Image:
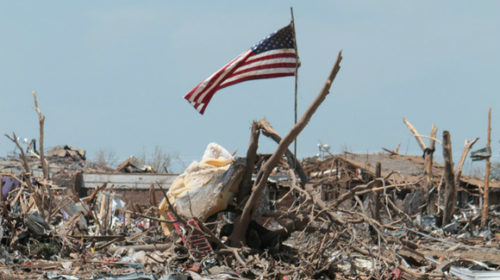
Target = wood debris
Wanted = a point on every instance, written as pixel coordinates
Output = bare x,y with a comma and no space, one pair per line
336,216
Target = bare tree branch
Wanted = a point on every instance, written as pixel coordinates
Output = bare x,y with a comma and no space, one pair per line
26,167
415,133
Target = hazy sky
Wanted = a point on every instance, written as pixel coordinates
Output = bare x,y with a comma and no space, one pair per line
112,74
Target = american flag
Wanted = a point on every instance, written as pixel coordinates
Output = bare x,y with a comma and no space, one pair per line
272,57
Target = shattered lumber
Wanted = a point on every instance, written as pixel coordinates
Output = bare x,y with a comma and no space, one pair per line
326,238
241,226
349,221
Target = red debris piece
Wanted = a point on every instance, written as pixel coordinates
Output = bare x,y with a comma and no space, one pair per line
195,242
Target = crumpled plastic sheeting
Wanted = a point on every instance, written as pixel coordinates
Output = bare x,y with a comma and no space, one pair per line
205,187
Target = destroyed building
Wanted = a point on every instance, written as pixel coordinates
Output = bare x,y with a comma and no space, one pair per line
343,171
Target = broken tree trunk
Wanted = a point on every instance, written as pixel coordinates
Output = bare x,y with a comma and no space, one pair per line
450,195
41,120
428,154
241,225
428,159
245,185
428,151
374,203
484,215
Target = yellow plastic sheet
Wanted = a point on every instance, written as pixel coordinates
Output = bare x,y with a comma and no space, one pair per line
201,189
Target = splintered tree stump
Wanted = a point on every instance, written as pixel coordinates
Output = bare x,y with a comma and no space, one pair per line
450,195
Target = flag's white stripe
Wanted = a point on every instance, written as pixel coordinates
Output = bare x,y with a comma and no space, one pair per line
201,87
199,107
284,70
273,52
267,62
201,93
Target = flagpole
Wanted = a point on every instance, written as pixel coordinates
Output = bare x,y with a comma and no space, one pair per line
296,79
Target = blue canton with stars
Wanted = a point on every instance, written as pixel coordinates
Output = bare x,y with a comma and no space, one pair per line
281,39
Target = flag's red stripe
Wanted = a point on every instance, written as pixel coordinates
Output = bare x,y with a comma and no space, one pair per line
266,66
278,55
264,76
205,104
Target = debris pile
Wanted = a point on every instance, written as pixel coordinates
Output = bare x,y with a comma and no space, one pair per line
265,216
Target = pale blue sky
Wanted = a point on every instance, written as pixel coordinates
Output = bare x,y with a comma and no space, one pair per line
112,74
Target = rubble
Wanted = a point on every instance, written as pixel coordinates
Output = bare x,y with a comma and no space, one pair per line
337,216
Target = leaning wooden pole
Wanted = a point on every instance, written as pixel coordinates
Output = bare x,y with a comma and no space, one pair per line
241,225
484,216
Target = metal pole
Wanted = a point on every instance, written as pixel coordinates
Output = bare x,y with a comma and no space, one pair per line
296,80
